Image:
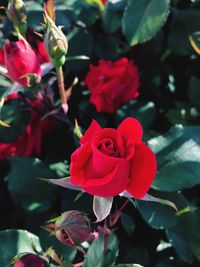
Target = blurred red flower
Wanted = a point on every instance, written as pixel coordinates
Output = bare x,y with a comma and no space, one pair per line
30,142
30,260
20,59
112,84
42,55
1,56
37,44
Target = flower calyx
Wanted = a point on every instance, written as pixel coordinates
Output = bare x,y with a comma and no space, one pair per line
55,41
16,12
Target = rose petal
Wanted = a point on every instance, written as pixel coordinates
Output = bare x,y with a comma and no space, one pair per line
113,135
130,128
101,101
20,60
143,171
1,56
112,84
112,184
28,145
100,164
78,159
93,128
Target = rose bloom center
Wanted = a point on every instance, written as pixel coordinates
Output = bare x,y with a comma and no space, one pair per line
108,147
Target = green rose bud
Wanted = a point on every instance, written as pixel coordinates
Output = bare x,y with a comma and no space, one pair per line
28,260
16,12
72,228
56,45
55,41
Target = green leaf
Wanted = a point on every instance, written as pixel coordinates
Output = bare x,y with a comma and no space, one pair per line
145,112
161,216
85,12
184,23
128,265
194,236
136,254
156,215
64,182
143,19
102,207
195,41
3,81
4,124
97,3
185,237
16,241
60,168
66,253
148,197
14,88
112,16
178,156
75,38
16,114
179,241
127,223
194,91
25,187
182,113
112,45
171,263
96,256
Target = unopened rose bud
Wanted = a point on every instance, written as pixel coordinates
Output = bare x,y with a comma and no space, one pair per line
55,41
21,62
56,45
16,12
72,228
29,260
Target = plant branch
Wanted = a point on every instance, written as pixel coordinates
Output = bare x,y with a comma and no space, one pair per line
61,85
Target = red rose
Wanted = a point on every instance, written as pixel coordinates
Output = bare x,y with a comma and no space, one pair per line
112,84
30,142
1,56
20,59
30,260
38,45
110,161
42,55
103,2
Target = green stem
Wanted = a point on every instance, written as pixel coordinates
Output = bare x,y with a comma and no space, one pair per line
61,85
20,35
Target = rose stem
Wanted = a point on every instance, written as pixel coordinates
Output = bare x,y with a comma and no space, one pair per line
117,214
61,85
81,249
19,34
112,222
124,205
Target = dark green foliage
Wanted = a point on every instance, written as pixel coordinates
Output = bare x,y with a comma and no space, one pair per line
155,35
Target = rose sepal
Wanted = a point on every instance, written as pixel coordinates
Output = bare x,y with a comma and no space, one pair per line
102,207
151,198
65,182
